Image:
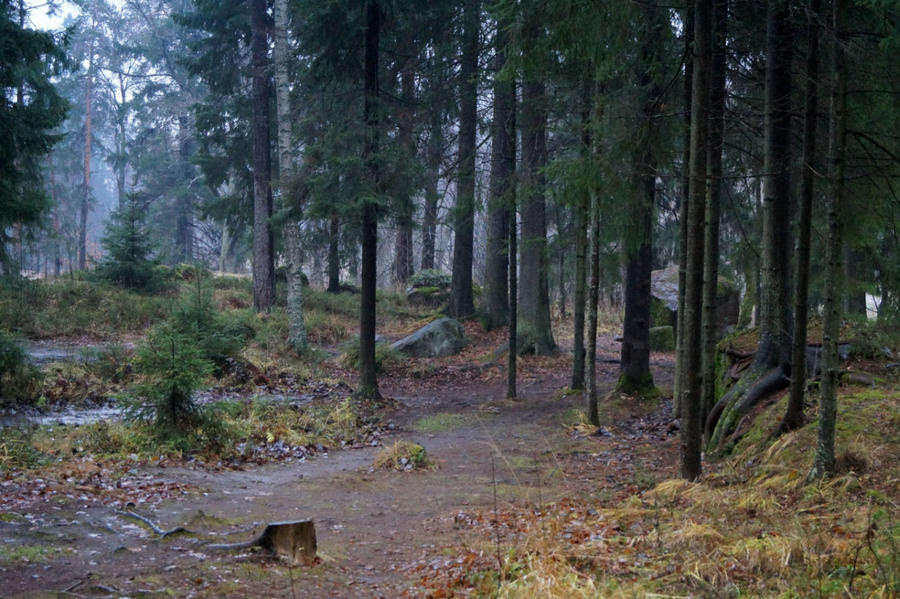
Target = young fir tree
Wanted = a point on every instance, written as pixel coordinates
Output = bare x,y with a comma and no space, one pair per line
129,261
172,367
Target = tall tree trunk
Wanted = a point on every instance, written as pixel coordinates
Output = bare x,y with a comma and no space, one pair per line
121,164
771,363
297,337
581,226
403,242
793,417
691,429
593,306
823,464
635,376
562,245
184,227
535,333
461,298
503,170
334,258
433,176
713,194
512,244
368,377
263,259
775,307
685,199
86,174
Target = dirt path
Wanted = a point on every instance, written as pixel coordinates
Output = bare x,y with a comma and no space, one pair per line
371,525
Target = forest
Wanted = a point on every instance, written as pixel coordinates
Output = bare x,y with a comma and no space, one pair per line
485,298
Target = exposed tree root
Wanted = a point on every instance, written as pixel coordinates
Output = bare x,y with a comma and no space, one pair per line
153,526
757,383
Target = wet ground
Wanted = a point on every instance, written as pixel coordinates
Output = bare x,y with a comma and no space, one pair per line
372,525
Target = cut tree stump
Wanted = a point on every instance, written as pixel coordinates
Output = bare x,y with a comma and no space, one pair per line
294,541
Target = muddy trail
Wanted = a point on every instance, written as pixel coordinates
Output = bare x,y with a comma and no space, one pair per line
377,530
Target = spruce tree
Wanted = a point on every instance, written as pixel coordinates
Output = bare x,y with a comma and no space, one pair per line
129,261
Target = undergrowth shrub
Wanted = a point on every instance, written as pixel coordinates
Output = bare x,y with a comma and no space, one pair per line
173,366
386,358
69,307
17,450
430,277
403,456
344,304
18,378
195,317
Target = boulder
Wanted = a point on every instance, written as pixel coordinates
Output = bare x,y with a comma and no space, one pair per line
664,301
662,338
442,337
428,297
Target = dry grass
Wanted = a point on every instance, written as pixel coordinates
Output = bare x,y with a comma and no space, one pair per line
755,529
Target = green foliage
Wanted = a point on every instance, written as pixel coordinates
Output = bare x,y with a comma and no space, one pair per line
385,357
172,367
430,278
196,318
17,376
129,262
28,61
68,307
17,449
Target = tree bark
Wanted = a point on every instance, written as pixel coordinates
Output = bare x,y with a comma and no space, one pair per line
824,462
593,306
793,417
403,241
368,378
263,260
581,238
297,337
635,376
184,229
429,216
691,432
685,199
334,258
773,354
86,174
535,333
462,302
512,354
495,303
713,194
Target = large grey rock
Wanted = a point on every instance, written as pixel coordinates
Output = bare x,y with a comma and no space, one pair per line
442,337
664,301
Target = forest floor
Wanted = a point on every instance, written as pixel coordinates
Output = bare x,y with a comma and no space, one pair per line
521,498
378,530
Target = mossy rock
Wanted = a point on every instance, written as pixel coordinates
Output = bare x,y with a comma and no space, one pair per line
662,338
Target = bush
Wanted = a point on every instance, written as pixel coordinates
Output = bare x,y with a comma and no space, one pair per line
430,278
173,367
196,318
18,378
385,357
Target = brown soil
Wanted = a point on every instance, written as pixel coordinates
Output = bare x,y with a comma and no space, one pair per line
372,525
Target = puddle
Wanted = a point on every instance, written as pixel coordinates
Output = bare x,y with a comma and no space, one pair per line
70,417
44,353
